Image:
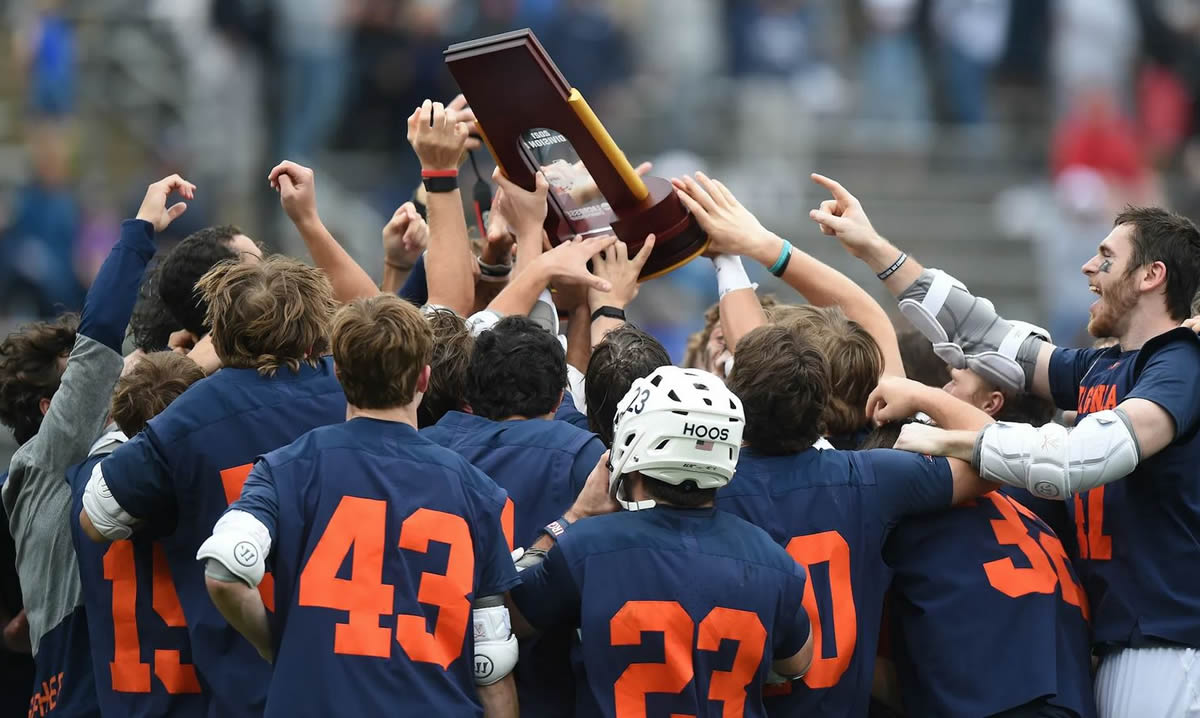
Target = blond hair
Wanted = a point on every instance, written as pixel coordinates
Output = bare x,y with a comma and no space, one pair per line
380,346
270,314
696,354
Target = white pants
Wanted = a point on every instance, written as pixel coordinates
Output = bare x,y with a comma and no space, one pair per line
1149,683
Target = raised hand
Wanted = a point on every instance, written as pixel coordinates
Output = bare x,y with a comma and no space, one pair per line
405,236
439,135
154,205
615,265
465,114
843,217
731,228
297,188
567,263
524,211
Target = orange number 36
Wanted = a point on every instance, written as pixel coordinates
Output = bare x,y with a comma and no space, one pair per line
676,671
1046,557
360,525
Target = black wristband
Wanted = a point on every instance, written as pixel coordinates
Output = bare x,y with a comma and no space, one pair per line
440,184
895,266
610,312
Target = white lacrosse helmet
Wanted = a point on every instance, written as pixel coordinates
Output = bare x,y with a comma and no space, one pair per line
676,425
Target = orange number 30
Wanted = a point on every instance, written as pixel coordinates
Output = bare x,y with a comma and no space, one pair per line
676,671
360,525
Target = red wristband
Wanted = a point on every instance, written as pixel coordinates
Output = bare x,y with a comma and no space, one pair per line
438,173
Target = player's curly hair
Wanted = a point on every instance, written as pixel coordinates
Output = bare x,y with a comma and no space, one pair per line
452,347
150,386
783,382
179,271
381,344
695,356
268,315
29,372
517,369
152,323
623,355
856,372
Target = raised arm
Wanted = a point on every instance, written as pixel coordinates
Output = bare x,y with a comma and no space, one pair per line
735,230
565,263
621,271
297,189
525,213
78,409
941,307
439,135
405,237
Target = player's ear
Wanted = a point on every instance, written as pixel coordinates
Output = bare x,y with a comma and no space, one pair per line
994,403
423,379
44,405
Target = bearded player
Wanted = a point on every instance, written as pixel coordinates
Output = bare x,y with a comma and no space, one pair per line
1127,470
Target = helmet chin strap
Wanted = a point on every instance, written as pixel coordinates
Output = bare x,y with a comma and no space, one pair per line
616,485
616,491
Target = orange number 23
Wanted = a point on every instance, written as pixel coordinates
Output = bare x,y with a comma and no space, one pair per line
360,525
676,671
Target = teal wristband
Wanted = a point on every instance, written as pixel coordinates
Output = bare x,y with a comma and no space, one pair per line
785,254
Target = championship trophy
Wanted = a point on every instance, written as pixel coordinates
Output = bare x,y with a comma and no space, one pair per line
531,119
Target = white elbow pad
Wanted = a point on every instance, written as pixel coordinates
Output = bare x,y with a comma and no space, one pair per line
495,645
1055,462
113,522
240,543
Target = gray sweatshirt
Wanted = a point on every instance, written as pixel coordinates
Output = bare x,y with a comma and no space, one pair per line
36,495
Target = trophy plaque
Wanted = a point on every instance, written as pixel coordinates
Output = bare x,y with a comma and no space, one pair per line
531,119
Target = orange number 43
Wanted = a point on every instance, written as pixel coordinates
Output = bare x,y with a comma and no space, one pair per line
360,525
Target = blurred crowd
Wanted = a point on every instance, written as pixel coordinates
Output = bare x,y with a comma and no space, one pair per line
1112,82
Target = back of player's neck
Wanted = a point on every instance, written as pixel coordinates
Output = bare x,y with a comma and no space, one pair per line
522,417
399,415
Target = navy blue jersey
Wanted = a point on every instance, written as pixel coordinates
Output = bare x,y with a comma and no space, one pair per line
567,412
187,466
986,613
1138,537
380,542
136,633
543,466
63,681
832,511
681,612
1053,513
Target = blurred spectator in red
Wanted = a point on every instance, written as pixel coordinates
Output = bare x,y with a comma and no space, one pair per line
1096,135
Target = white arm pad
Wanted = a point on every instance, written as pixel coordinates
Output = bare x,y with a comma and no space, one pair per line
495,645
1055,462
113,522
240,543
